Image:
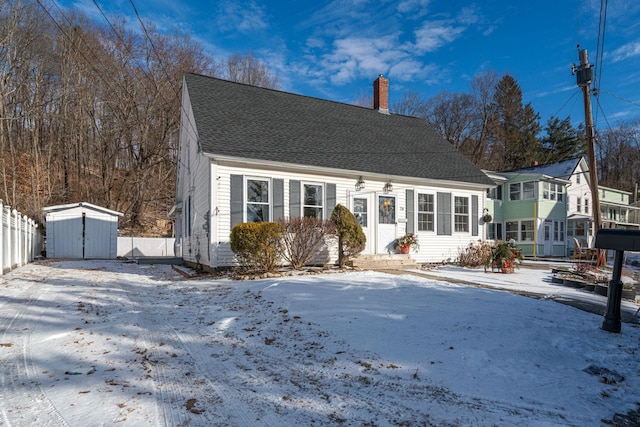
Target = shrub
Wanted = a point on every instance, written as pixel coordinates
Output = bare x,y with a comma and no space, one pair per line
258,245
475,255
351,238
505,256
303,237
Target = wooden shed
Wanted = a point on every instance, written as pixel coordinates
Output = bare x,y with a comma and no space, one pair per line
81,231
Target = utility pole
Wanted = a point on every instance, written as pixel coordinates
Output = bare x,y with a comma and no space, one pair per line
584,76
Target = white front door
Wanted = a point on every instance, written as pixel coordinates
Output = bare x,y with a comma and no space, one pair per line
386,223
548,233
361,208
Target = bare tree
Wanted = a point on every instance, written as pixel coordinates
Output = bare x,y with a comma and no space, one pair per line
250,70
412,104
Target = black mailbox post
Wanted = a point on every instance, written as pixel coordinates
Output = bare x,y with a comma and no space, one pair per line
619,240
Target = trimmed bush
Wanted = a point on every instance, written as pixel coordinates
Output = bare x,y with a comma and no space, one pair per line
258,245
303,238
351,238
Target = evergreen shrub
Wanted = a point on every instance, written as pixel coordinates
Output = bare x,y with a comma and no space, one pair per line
258,245
351,238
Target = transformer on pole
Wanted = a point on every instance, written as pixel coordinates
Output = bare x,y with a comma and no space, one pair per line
584,75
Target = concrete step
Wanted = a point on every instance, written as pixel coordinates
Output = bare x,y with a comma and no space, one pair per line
384,261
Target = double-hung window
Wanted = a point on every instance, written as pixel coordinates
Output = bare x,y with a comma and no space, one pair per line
514,191
312,200
257,200
552,191
425,212
461,214
521,231
526,231
528,190
522,190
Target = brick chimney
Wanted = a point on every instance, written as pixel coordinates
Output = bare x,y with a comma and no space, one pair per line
381,94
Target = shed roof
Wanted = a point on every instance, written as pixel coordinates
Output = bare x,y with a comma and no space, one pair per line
81,204
248,122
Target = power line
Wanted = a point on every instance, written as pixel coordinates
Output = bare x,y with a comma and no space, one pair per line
602,26
622,99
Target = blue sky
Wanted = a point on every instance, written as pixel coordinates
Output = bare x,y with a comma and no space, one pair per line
335,49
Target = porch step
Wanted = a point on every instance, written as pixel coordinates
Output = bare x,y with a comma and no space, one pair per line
384,261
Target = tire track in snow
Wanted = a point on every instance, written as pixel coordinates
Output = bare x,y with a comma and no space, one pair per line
180,370
22,399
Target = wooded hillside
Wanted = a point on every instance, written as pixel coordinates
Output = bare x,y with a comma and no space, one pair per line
90,112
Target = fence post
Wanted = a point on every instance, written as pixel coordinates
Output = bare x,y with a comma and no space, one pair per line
1,238
14,236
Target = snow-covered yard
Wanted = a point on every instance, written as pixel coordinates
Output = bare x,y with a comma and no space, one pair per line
111,343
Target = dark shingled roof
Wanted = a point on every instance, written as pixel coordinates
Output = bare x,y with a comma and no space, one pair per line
249,122
562,169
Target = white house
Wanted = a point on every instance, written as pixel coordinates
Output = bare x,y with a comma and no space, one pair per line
81,231
256,154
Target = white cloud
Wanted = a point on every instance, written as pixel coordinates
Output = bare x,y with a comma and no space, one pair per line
627,51
435,34
241,17
413,6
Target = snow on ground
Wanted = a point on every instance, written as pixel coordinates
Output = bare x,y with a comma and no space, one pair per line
92,343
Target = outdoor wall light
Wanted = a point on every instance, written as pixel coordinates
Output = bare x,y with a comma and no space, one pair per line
359,184
388,188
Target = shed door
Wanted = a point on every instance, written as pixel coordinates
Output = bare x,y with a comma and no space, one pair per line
67,236
97,237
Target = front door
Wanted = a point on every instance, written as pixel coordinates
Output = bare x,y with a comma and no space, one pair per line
361,206
548,232
386,223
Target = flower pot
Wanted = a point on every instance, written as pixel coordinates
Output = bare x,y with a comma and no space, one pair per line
404,249
573,283
601,289
629,294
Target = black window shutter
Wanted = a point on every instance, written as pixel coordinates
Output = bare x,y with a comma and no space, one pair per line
444,214
294,198
499,232
278,199
330,200
237,199
411,220
474,215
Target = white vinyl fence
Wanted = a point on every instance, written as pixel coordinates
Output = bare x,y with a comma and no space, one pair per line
146,247
20,239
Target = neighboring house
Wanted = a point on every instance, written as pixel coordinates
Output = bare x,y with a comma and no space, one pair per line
255,154
551,204
529,207
617,209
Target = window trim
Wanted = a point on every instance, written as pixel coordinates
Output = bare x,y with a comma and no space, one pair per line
246,201
461,218
519,231
303,205
431,213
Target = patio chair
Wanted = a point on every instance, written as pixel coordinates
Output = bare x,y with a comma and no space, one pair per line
578,251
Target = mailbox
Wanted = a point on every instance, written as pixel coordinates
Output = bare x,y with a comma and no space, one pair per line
618,239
